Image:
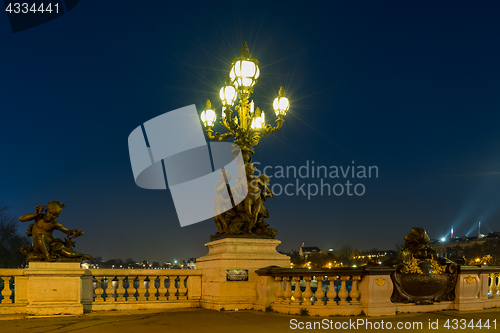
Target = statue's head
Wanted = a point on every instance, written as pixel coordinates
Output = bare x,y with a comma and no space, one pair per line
54,209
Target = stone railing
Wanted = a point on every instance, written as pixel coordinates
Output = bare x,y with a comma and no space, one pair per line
62,288
365,290
478,288
13,291
325,292
494,283
118,289
71,290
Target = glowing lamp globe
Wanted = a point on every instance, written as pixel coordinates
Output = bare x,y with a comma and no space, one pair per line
227,94
281,104
257,123
244,74
208,115
245,70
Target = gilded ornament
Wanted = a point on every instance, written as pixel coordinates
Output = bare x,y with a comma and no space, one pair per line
469,279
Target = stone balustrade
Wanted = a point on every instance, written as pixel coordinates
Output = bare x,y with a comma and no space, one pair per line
364,290
118,289
329,291
13,291
111,289
336,291
478,288
494,284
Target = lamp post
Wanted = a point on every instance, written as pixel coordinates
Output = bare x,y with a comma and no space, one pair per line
247,127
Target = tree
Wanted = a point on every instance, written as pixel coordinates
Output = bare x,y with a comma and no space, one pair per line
398,246
113,263
10,241
346,254
129,262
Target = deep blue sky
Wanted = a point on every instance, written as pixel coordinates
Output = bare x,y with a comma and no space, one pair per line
410,87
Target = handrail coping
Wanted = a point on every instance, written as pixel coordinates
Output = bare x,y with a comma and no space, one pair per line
12,271
144,272
365,270
478,269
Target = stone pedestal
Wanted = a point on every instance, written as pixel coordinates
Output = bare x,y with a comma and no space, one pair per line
236,254
58,288
376,289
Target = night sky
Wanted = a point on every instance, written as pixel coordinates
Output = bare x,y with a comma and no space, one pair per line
409,87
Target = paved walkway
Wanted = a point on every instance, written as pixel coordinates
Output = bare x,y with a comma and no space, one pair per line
208,321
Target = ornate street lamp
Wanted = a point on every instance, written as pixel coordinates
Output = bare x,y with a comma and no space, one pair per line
247,127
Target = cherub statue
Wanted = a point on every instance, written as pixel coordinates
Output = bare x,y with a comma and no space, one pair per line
45,247
262,191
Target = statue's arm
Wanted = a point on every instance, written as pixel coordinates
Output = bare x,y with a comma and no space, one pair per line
62,228
29,217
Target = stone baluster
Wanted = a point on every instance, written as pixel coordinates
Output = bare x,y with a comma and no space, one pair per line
141,290
149,285
6,292
343,293
307,294
120,289
110,290
279,293
131,288
98,289
182,287
493,284
297,293
288,289
498,284
171,288
152,290
320,294
331,294
162,290
354,290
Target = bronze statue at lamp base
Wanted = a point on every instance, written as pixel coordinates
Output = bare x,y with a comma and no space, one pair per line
45,247
245,219
421,277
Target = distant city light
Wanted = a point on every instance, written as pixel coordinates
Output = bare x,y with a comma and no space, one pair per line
443,239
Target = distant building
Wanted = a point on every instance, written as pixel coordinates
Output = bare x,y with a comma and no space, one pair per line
441,246
306,251
96,260
377,257
191,263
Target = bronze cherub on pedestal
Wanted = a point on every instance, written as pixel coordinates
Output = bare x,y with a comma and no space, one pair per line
45,247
